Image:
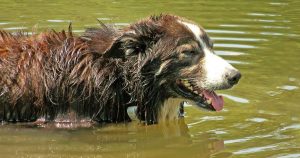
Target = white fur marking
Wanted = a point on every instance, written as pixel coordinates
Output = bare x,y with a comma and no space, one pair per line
216,68
194,28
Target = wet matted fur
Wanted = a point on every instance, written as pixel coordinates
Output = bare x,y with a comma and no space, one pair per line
102,72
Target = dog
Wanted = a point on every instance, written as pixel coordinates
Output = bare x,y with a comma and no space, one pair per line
99,74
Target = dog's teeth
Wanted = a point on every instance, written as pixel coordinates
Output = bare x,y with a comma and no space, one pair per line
186,82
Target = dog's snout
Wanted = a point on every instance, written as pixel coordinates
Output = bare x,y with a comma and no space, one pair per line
233,77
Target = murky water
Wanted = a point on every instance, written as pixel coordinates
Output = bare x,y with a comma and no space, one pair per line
261,116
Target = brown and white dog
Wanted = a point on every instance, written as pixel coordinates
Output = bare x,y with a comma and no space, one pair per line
101,73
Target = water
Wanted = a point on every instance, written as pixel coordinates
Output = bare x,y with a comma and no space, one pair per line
261,116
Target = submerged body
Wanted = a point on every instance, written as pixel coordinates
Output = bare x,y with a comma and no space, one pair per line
99,74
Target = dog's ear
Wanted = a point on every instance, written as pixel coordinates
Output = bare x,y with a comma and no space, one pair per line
114,50
125,45
133,40
128,44
137,39
104,40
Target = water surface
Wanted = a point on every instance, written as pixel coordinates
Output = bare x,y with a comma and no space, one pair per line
261,116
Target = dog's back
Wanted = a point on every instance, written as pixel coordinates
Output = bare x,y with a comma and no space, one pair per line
25,72
51,73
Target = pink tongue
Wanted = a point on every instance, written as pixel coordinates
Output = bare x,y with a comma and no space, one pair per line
217,101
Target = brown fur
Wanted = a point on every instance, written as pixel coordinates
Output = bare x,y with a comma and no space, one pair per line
43,75
98,74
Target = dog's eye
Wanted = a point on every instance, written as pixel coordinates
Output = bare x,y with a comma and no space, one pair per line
189,52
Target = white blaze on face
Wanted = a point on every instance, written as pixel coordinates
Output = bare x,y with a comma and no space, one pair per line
215,67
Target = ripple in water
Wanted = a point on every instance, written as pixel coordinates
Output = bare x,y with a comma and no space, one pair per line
236,99
262,14
272,33
241,140
288,87
59,21
293,127
15,28
255,149
237,62
234,45
104,19
229,53
225,31
4,23
257,120
238,39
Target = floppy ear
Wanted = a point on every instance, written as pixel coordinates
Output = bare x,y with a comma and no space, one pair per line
133,40
137,39
125,45
114,50
128,44
110,43
104,40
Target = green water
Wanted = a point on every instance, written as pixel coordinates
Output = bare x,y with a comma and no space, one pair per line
261,116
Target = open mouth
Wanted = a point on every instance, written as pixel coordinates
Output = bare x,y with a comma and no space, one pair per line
205,99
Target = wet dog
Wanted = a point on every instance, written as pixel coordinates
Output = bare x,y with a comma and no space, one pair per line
102,72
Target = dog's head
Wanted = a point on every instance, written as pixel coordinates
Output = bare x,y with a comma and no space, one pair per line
180,58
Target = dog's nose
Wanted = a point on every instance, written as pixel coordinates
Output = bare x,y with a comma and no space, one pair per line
233,77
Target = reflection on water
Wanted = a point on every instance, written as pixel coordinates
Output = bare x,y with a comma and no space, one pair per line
261,115
131,140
